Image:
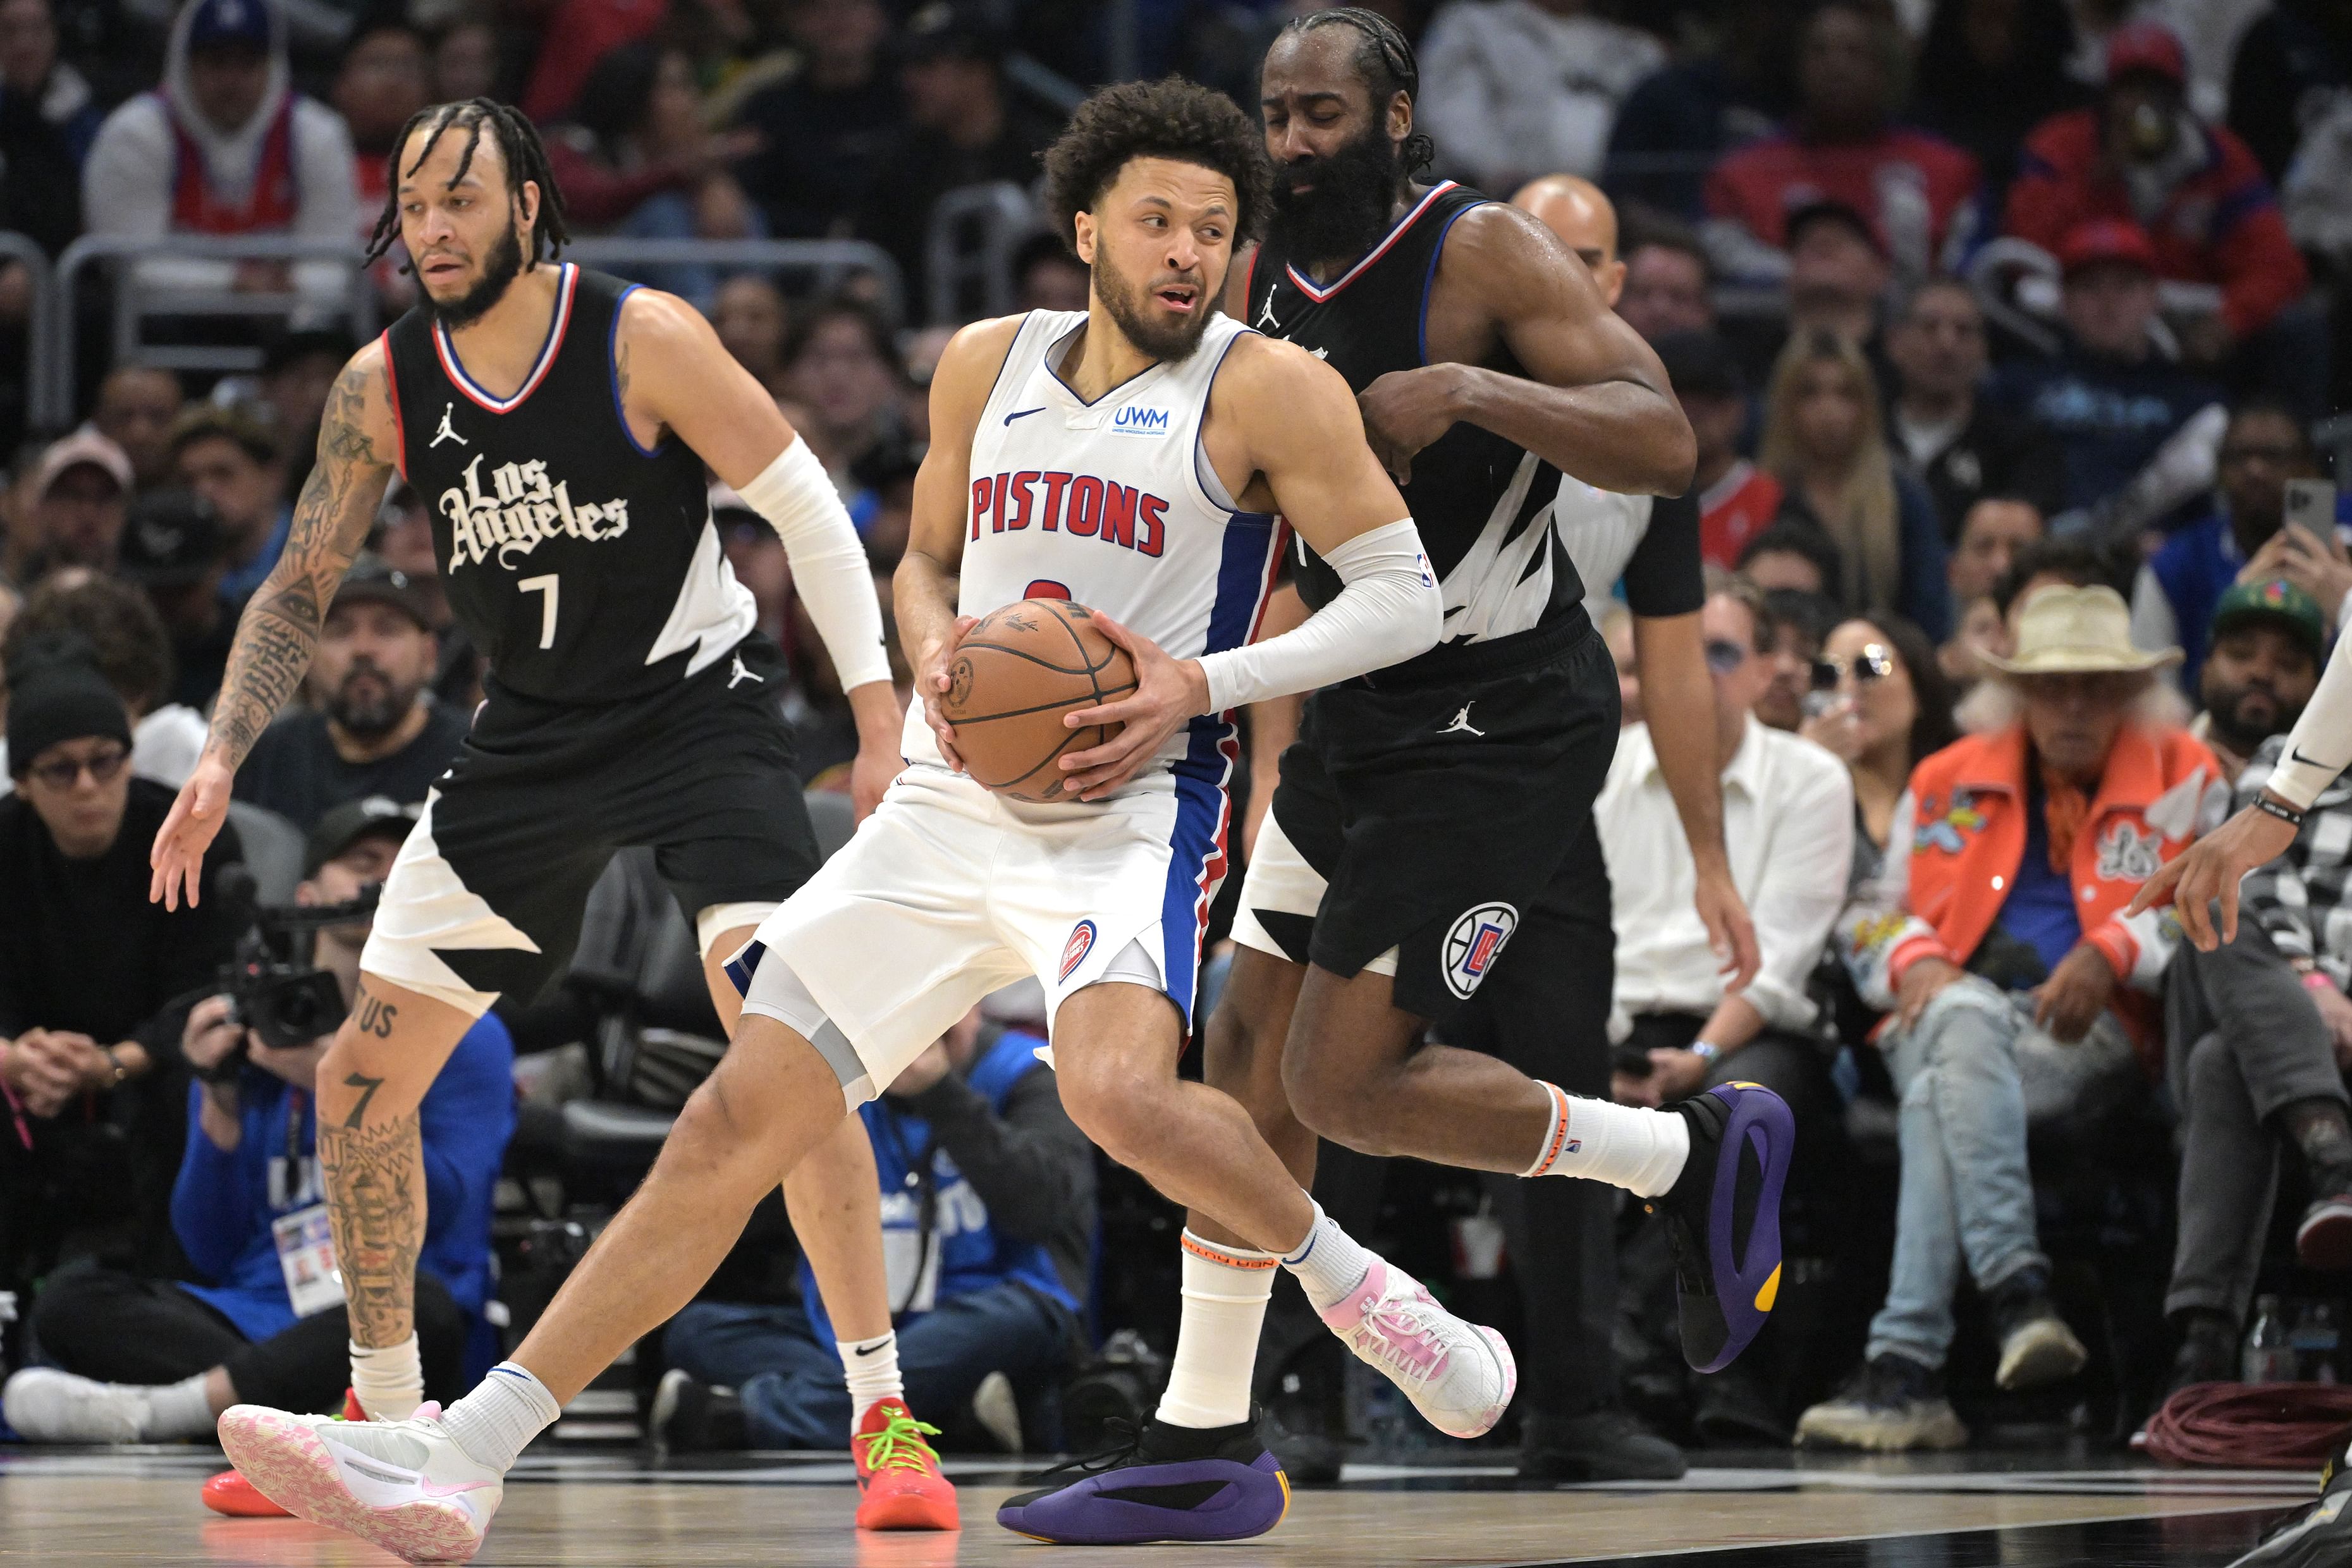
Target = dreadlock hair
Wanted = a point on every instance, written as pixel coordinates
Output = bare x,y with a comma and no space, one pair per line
1384,58
518,144
1171,118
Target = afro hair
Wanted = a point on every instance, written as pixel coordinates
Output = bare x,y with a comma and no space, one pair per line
1171,118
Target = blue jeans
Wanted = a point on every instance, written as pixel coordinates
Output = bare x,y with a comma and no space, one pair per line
791,1380
1965,1190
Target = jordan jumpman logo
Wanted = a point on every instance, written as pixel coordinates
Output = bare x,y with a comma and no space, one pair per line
1265,316
742,675
1461,724
448,432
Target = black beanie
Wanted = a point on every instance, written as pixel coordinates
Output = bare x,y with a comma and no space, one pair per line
56,693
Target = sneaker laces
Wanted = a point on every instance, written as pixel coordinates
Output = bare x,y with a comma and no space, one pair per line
1126,1437
899,1445
1408,1344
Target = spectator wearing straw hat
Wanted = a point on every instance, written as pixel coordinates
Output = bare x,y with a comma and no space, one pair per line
1996,934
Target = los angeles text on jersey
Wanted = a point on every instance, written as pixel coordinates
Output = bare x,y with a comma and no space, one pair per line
1078,504
522,511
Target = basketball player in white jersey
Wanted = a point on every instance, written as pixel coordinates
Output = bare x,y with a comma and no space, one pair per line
1132,457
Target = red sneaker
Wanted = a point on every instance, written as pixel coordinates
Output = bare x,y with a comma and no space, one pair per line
232,1494
899,1482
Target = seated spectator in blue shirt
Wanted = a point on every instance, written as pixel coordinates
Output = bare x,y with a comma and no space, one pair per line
2108,396
988,1223
138,1360
2180,588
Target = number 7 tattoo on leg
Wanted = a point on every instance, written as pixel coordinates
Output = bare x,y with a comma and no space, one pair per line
367,1087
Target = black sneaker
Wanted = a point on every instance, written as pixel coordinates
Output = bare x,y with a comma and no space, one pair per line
2320,1536
2208,1353
692,1418
1892,1404
2036,1345
1162,1483
1606,1445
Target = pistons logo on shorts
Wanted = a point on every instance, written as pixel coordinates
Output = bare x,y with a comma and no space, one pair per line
1074,950
1473,945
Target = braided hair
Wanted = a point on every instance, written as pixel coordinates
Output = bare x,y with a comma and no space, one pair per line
518,144
1384,58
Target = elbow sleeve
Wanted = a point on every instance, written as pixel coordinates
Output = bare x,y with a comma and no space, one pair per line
829,567
1388,609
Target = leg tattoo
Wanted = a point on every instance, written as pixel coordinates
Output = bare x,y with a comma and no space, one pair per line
375,1192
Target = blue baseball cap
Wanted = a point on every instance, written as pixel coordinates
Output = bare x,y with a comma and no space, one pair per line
229,24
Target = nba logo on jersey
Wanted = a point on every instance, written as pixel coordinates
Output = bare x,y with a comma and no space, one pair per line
1130,420
1074,950
1475,943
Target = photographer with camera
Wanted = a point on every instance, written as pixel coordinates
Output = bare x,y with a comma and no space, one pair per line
93,978
141,1360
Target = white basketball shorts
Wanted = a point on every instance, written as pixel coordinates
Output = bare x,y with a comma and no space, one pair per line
948,892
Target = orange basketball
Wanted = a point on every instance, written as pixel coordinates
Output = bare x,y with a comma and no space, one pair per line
1011,681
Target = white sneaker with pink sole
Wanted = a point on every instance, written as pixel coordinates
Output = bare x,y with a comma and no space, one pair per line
404,1486
1459,1375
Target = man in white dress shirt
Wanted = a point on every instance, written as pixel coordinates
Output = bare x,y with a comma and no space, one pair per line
1788,822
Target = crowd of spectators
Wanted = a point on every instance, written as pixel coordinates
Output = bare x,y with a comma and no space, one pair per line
2007,332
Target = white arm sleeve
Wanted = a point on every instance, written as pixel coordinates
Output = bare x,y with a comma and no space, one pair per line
2320,745
829,566
1388,609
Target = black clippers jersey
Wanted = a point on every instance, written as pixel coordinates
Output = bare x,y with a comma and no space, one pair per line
1482,505
585,566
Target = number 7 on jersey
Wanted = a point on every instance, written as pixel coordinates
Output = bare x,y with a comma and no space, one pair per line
548,583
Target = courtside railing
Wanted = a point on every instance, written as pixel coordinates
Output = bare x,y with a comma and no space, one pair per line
41,320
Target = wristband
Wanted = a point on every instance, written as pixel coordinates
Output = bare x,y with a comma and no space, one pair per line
2286,814
1706,1050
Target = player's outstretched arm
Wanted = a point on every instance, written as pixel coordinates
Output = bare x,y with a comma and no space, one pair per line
925,587
359,441
1594,401
673,371
1287,421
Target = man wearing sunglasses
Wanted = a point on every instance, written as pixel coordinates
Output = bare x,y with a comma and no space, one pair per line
88,1066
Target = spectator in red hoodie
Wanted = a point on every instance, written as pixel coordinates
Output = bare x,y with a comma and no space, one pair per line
2141,155
1841,146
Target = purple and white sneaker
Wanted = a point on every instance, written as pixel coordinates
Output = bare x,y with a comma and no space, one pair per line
1459,1375
1169,1483
1723,1218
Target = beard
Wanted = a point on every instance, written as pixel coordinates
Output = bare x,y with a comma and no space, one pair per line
1128,307
2243,731
1349,208
369,703
500,267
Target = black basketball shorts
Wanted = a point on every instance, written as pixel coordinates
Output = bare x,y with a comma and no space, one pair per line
486,896
1422,813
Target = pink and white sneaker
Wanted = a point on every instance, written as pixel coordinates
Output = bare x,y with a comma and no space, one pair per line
1459,1375
404,1486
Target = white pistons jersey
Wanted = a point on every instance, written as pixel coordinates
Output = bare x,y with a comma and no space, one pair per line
1113,504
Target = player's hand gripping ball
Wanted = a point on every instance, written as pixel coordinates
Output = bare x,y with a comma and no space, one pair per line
1011,681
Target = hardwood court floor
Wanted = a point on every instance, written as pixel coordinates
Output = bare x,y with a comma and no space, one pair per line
69,1508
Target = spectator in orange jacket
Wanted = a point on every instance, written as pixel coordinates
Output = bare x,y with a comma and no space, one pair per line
1996,932
2140,154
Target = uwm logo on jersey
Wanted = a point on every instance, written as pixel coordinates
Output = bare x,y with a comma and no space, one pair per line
522,511
1077,504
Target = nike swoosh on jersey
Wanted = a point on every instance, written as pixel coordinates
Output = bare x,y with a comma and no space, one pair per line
1024,414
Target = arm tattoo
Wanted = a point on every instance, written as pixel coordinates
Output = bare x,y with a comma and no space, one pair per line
281,623
375,1194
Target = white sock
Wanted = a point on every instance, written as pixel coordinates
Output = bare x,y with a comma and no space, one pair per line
390,1381
1330,1263
1629,1146
176,1410
871,1369
1225,1293
499,1418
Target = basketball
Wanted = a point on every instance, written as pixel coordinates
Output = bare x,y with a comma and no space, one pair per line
1013,677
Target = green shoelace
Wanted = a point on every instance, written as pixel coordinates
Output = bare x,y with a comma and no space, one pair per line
899,1445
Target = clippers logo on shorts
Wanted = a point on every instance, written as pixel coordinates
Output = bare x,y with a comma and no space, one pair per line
1132,421
1074,950
522,511
1473,945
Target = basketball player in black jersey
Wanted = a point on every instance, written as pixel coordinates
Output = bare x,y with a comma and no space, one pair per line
558,422
1425,808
